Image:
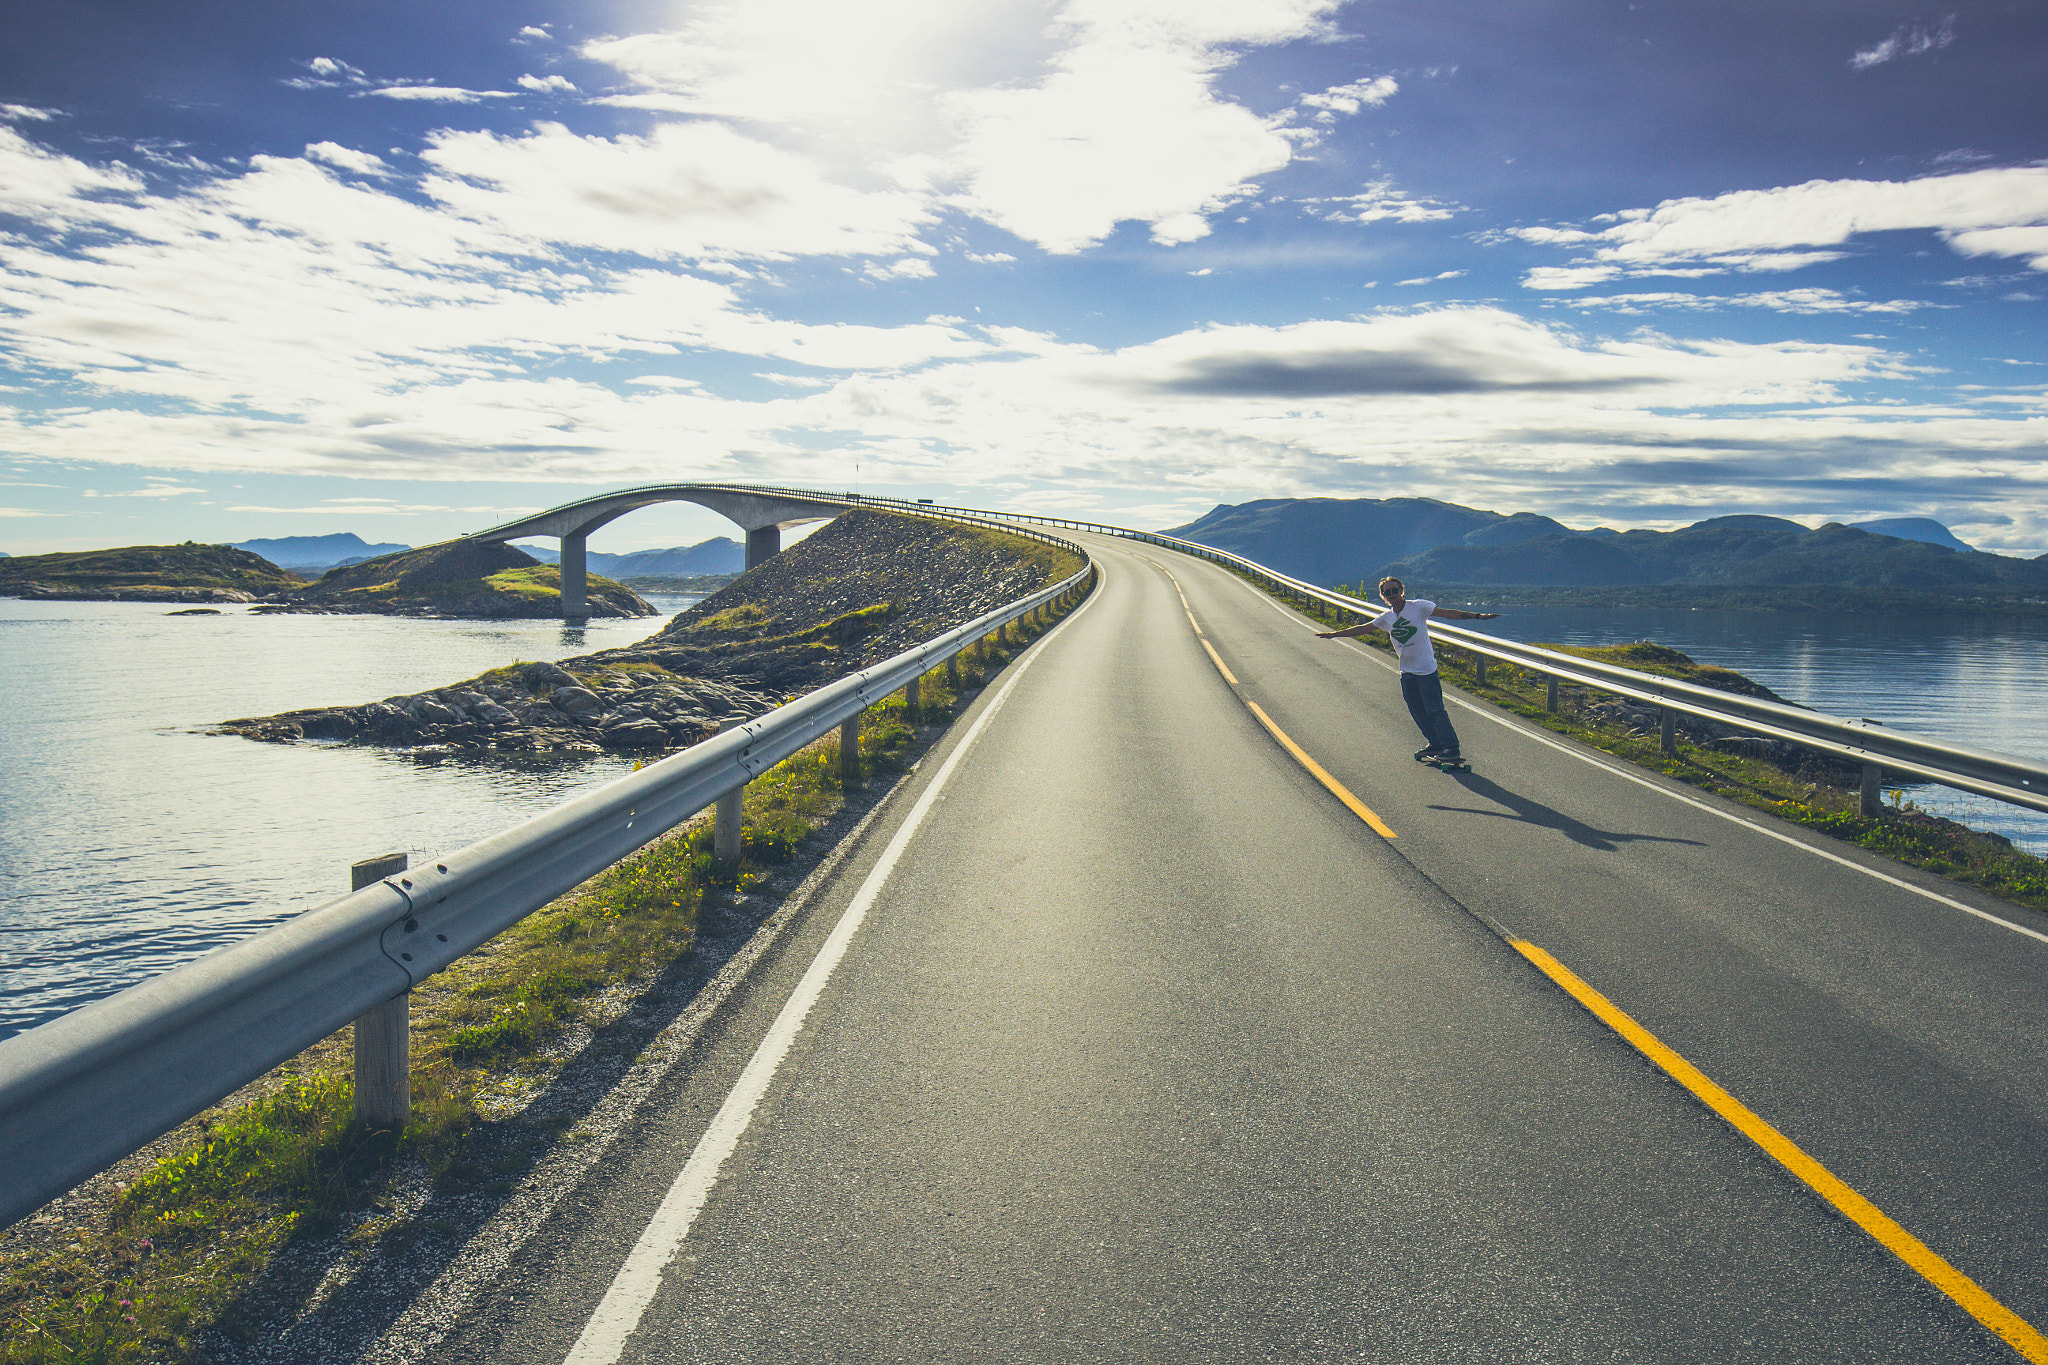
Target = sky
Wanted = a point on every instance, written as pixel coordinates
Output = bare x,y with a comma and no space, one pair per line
412,270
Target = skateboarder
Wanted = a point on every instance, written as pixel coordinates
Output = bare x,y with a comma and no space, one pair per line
1408,624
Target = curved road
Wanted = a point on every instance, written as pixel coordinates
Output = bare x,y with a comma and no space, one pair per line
1122,1038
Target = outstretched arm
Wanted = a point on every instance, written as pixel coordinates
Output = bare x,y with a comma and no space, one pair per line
1453,614
1345,634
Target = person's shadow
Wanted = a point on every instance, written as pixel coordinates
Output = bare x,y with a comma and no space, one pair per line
1536,813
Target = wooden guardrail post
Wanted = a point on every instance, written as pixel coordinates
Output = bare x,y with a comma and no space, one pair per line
910,695
1668,731
953,672
1479,670
383,1035
1872,795
1550,696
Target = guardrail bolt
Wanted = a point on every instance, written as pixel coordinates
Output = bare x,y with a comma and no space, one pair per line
1550,696
1668,731
383,1035
1872,802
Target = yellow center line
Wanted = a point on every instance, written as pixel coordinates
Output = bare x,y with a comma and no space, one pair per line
2014,1330
1337,789
1217,659
1316,770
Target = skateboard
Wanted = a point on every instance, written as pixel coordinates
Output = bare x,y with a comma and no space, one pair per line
1451,765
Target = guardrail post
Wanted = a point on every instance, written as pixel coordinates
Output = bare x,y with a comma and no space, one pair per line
726,818
953,672
910,694
1668,731
1003,636
1550,696
383,1035
849,750
1479,670
1872,802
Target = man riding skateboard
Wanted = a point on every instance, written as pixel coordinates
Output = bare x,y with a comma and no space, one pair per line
1407,623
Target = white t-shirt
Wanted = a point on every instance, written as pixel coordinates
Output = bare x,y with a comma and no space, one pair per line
1410,632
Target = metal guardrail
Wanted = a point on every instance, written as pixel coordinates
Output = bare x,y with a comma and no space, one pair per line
1983,772
86,1089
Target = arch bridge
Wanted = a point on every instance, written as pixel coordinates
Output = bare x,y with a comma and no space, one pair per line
763,513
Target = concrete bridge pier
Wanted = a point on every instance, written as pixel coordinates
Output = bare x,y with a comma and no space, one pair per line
763,543
575,578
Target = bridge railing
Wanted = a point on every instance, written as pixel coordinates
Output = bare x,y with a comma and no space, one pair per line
84,1090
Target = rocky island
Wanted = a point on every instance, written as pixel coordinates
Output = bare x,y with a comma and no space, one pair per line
146,573
464,578
866,587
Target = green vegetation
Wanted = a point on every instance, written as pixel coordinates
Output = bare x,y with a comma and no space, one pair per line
180,1250
146,572
1901,832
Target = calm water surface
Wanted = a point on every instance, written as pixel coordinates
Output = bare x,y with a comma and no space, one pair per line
129,843
1978,681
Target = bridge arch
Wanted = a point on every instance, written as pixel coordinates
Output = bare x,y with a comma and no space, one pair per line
763,513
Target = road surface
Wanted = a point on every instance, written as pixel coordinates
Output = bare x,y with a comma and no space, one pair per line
1123,1038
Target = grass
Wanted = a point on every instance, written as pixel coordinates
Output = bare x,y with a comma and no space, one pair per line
178,1251
1809,794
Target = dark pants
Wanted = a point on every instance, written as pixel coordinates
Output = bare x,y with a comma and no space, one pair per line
1424,693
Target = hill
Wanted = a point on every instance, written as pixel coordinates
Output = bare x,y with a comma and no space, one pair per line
455,578
719,555
864,588
315,553
1333,540
1740,550
146,573
1915,528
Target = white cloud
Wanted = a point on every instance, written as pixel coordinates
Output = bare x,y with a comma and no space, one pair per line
546,83
1432,279
908,268
685,190
1381,201
1057,132
990,257
1988,212
1908,40
531,32
347,158
439,94
1349,99
23,512
1780,301
161,490
25,113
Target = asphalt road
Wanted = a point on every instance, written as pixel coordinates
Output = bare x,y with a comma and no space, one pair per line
1147,1048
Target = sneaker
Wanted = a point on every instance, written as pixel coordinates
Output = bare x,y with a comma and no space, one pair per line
1427,754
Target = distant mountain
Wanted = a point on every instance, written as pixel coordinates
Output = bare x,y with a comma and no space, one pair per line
1344,540
1914,528
1745,550
718,555
318,552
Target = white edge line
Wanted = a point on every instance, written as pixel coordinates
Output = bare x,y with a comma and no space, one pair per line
604,1336
1489,713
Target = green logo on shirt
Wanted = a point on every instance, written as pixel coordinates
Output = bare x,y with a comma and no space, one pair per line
1403,629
